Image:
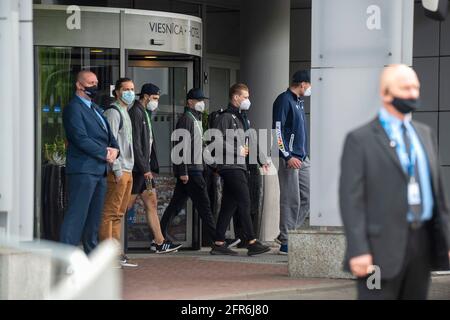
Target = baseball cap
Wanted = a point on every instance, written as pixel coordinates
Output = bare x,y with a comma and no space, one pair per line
150,89
301,76
196,94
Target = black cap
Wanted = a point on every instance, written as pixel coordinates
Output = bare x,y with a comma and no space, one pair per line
150,89
196,94
301,76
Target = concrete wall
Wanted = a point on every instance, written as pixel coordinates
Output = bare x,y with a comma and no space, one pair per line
222,32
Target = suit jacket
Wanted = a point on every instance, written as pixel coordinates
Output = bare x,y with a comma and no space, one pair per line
373,199
144,160
87,139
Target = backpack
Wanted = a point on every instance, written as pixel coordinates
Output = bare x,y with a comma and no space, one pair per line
113,106
213,116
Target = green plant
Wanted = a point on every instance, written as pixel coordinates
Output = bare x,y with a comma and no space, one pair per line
205,117
55,153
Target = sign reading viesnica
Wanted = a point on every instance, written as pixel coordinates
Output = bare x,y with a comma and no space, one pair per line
77,26
164,33
174,28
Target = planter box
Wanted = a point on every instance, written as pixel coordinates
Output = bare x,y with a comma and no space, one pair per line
24,275
317,253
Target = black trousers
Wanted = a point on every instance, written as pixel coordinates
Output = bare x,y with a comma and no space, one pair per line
236,199
196,190
413,281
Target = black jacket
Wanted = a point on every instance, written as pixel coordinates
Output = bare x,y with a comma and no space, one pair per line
144,160
373,199
235,119
195,163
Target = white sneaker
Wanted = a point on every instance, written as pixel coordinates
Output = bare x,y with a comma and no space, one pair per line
124,262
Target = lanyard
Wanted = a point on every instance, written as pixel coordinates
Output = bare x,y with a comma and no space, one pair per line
149,123
411,160
200,129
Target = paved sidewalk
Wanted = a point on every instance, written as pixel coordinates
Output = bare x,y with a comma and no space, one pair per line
198,275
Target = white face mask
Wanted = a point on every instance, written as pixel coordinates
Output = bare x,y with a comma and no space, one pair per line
152,105
307,92
200,106
245,105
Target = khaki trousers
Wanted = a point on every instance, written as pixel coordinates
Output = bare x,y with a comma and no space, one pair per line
116,204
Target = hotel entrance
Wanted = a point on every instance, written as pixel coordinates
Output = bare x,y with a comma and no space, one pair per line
112,47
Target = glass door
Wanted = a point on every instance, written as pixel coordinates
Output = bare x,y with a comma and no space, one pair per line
56,69
174,79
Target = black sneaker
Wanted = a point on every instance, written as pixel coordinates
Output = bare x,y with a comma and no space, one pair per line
222,250
167,247
278,239
230,243
243,244
257,248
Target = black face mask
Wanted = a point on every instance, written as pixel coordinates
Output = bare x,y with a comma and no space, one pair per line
91,91
405,105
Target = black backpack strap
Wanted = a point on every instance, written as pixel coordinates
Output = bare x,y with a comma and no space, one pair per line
113,106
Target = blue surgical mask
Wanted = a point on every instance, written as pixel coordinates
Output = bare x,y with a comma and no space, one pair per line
128,97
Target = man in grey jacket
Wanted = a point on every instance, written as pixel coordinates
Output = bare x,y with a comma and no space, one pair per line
189,173
119,179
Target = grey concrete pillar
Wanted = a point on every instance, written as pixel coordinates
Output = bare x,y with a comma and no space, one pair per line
265,34
25,123
352,41
17,123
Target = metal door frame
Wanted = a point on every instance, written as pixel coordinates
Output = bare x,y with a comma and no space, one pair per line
189,65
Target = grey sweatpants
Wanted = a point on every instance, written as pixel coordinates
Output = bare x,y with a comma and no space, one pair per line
294,197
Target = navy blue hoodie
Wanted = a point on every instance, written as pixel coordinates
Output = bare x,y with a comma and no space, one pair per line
289,121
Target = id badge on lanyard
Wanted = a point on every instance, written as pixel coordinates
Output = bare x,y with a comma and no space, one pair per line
413,186
413,192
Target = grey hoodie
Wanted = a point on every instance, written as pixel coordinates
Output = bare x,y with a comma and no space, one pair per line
124,137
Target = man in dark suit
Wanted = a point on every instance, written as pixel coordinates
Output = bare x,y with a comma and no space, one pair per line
392,199
91,146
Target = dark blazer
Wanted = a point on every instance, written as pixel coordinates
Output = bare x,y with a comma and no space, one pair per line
144,160
87,139
373,199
